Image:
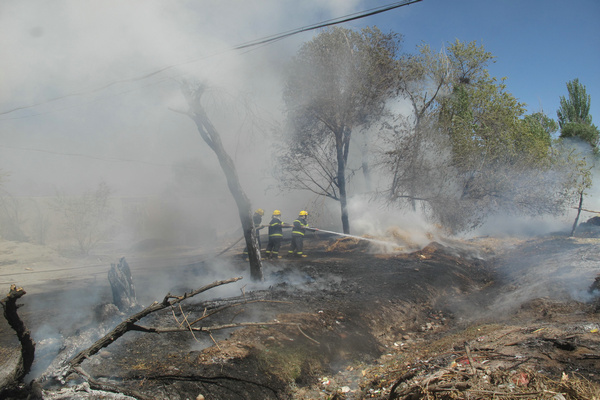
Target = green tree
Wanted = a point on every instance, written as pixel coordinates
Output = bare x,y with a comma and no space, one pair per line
421,80
574,116
581,178
478,154
337,83
588,133
575,121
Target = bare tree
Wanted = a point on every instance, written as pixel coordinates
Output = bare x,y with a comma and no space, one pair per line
210,135
337,83
85,217
12,218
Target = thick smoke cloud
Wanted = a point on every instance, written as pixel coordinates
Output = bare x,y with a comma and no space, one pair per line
94,119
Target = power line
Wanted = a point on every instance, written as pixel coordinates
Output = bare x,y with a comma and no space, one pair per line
85,156
257,42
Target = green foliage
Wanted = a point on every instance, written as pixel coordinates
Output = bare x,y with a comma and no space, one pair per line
477,152
574,116
536,135
588,133
575,108
503,159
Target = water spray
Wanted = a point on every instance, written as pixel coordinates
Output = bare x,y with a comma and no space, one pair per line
352,236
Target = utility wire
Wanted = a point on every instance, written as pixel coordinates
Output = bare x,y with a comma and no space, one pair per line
257,42
85,156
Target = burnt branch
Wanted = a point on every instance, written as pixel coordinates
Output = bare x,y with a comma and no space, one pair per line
129,323
218,310
206,329
207,379
9,304
403,378
107,387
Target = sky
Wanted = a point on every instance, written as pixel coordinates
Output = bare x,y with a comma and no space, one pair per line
89,91
539,45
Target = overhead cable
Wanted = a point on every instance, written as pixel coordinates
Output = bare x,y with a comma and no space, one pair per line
257,42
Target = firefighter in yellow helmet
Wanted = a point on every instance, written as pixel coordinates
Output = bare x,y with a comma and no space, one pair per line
256,219
275,235
298,230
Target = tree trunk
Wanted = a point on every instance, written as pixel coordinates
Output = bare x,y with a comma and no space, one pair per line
365,165
578,213
122,287
211,136
341,183
9,304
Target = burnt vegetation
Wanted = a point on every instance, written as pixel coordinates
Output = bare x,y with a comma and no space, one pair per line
347,324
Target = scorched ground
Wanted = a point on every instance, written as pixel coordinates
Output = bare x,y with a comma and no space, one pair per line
483,318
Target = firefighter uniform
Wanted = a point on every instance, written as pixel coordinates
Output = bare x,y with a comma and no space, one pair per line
275,235
298,231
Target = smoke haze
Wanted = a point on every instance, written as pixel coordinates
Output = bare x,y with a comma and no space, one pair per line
94,119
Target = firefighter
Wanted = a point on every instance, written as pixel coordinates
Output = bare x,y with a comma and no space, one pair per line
298,230
256,219
275,235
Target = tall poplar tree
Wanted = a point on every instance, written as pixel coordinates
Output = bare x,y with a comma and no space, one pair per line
574,116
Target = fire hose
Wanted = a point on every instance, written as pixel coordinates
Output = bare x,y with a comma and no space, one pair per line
314,230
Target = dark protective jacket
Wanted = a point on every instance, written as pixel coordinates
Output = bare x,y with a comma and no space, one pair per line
275,228
257,219
300,226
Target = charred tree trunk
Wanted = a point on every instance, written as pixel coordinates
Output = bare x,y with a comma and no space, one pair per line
9,304
121,284
578,213
212,137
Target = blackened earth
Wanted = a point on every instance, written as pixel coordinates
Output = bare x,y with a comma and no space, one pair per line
344,322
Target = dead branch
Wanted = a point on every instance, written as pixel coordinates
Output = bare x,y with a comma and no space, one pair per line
468,351
129,323
206,329
306,336
207,379
217,310
107,387
403,378
507,395
9,304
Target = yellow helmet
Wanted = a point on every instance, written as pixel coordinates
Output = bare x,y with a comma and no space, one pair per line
260,211
303,213
276,212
